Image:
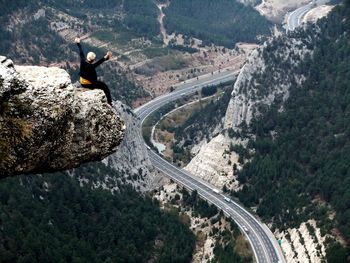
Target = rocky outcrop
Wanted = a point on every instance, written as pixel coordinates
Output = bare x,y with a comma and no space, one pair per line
215,163
265,79
46,124
129,165
131,160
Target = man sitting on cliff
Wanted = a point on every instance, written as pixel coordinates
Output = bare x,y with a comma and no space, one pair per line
88,76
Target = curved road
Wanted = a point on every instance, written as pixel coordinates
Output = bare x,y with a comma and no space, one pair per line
263,243
294,18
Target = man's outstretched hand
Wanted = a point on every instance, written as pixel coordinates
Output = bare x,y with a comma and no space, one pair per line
77,40
108,55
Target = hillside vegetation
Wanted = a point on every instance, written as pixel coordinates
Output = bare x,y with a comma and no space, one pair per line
222,22
30,37
53,218
199,122
136,17
300,168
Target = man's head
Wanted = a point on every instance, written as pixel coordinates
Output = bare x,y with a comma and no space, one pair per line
91,57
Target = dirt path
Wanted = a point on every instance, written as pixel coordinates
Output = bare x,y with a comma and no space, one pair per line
161,21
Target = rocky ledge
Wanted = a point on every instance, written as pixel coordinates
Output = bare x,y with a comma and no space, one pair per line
47,124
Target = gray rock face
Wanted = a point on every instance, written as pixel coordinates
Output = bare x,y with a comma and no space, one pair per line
131,159
265,78
46,124
130,164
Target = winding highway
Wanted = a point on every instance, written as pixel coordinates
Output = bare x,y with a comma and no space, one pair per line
294,18
263,243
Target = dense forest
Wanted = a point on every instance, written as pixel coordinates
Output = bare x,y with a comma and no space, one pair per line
53,218
222,22
300,168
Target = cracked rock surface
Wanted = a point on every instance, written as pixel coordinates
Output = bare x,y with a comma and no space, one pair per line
47,124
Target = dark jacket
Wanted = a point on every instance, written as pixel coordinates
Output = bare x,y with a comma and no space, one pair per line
87,70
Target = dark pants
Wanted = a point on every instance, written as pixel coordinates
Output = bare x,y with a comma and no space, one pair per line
102,86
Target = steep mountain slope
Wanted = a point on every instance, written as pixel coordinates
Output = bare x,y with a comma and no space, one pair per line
290,112
261,82
226,22
42,32
89,214
304,149
52,218
34,29
131,159
93,216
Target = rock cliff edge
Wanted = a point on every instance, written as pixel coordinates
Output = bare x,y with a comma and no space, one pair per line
47,124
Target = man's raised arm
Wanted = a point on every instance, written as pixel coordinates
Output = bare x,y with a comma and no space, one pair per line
105,58
81,52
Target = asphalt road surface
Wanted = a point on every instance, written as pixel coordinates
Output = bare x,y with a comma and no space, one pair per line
294,18
263,243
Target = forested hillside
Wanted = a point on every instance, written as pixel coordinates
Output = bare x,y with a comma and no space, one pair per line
222,22
32,32
52,218
301,165
137,17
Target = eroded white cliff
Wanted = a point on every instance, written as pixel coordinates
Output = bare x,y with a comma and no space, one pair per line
215,163
252,91
249,95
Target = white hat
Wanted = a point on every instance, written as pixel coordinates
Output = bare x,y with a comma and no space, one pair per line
91,56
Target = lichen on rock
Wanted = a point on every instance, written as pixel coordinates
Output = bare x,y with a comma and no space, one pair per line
47,124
